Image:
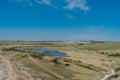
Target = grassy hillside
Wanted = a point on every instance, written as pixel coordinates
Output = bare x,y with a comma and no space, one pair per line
83,62
105,46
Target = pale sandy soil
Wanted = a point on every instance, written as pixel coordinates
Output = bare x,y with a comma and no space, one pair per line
46,69
8,68
12,70
6,71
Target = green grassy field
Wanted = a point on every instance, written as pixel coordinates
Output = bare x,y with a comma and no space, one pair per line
104,46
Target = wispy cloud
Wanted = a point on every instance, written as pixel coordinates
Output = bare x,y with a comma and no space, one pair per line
47,2
69,4
31,2
69,16
73,4
38,1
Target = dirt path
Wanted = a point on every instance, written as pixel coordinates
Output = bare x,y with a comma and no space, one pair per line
47,70
7,72
24,70
8,69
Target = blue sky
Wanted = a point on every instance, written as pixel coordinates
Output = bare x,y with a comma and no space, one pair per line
60,20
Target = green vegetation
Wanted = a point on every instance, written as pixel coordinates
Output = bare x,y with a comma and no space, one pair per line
7,49
113,76
114,55
103,46
35,55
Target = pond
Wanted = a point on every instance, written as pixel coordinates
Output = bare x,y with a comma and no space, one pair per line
46,52
49,52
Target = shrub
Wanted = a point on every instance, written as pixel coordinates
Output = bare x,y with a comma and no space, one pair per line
67,64
57,60
114,55
35,55
102,52
7,49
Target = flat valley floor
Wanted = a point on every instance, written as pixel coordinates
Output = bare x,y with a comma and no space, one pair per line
83,62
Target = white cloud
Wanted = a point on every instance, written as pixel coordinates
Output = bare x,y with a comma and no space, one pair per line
30,2
70,4
38,1
47,2
73,4
69,16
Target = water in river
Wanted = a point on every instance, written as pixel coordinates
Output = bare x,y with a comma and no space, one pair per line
109,75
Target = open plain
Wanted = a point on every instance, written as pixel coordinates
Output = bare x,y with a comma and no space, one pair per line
23,60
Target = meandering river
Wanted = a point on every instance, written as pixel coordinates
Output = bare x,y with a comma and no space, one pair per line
108,75
112,72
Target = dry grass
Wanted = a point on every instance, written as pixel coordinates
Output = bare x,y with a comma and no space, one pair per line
94,63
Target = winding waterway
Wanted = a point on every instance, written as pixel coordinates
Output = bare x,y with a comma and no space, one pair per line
108,75
112,72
